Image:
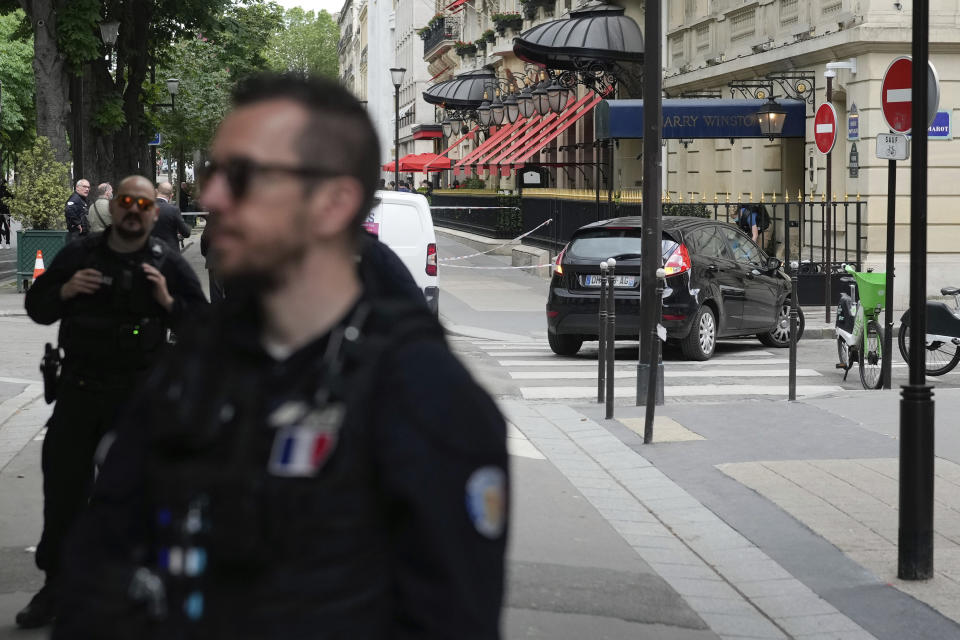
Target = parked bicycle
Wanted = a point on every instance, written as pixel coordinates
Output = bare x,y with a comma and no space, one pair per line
942,342
859,333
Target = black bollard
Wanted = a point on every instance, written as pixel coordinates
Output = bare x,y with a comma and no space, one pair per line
611,333
602,333
654,363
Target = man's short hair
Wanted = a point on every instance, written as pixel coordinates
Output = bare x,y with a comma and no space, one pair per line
102,188
339,135
165,188
80,182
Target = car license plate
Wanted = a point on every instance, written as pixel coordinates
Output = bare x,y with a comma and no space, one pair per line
620,282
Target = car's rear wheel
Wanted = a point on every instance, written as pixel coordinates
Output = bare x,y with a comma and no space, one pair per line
564,345
702,340
779,336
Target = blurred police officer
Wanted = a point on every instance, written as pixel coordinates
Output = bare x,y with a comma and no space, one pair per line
75,210
314,462
115,294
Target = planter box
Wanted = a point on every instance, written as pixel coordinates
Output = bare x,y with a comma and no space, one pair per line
29,241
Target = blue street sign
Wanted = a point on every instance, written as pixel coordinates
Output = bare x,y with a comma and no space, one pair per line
853,123
155,142
941,128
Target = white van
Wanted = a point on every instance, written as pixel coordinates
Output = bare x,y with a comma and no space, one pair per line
403,222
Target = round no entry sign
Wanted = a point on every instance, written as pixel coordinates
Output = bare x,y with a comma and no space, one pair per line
825,128
896,94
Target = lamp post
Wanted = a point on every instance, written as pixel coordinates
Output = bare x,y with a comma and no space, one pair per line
173,88
396,75
770,117
109,31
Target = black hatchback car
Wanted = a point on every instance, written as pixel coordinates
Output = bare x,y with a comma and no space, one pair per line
721,284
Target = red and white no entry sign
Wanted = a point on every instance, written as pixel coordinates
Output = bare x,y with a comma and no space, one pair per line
825,128
896,94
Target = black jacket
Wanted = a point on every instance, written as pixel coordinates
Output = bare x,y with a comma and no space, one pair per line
399,532
169,224
75,211
125,298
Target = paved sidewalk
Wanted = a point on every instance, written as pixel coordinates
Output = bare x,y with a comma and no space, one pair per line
770,519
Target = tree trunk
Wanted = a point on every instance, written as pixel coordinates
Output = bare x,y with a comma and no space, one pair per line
97,148
131,155
50,76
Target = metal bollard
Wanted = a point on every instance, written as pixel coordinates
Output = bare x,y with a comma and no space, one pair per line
654,362
602,333
611,333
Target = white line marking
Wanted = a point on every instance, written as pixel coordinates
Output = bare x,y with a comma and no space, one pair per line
20,381
824,128
720,362
523,354
704,390
899,95
714,373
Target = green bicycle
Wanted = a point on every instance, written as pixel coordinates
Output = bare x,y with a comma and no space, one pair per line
859,333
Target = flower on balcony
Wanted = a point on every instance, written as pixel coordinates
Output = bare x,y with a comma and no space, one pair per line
490,36
504,21
530,6
481,44
465,48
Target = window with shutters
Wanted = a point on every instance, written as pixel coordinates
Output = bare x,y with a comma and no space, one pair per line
789,12
742,24
831,6
703,38
676,49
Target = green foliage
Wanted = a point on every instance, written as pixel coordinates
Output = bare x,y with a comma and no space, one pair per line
18,112
41,188
243,33
307,44
203,100
689,209
473,183
78,34
108,116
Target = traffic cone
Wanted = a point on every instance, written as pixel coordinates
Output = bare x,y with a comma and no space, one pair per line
38,267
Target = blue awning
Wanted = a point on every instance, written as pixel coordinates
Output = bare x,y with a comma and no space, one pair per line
697,118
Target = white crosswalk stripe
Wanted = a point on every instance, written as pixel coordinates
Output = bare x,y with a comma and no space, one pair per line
735,371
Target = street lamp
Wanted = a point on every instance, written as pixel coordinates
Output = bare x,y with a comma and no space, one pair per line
447,128
483,111
396,75
173,88
109,31
497,110
540,99
554,93
526,102
770,117
513,107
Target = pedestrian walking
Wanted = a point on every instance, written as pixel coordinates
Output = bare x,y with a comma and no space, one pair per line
4,214
75,210
312,462
170,226
115,294
186,202
99,213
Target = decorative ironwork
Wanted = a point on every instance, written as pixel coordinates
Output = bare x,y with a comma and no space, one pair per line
800,85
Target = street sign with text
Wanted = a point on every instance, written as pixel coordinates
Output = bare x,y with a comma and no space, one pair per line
825,128
896,94
893,146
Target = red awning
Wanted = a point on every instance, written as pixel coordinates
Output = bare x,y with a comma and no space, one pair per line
537,125
415,163
489,143
521,155
440,166
457,4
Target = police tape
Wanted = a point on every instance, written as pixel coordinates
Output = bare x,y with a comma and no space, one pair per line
529,266
508,242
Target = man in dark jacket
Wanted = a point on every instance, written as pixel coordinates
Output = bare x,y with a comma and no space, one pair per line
313,462
75,210
115,294
170,225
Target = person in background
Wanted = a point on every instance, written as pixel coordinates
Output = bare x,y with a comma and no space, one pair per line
75,211
99,215
186,203
170,225
4,214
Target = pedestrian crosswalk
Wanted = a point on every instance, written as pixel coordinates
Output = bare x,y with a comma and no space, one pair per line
738,370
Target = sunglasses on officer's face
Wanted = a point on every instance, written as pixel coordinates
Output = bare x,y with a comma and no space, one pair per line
126,202
239,172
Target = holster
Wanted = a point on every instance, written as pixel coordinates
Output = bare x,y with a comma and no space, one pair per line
50,368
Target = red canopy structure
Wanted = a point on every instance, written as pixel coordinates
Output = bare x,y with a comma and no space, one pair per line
420,163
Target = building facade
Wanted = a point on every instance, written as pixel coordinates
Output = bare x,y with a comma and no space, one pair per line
716,46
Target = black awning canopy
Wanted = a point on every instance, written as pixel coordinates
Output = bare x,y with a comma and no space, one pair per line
595,32
463,92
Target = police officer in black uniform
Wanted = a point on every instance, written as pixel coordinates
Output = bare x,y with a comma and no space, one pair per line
75,210
313,462
115,294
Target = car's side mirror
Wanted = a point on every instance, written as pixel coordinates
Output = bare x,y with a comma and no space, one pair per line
774,263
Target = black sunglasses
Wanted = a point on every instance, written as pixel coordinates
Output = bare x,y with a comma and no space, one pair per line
126,202
239,172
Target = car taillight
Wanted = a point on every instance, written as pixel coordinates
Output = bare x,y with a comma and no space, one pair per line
431,259
558,267
678,262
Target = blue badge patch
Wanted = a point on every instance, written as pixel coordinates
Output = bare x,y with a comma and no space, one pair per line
487,501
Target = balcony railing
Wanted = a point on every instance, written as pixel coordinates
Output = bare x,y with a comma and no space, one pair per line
443,30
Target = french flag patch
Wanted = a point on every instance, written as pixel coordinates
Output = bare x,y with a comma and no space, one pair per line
300,450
